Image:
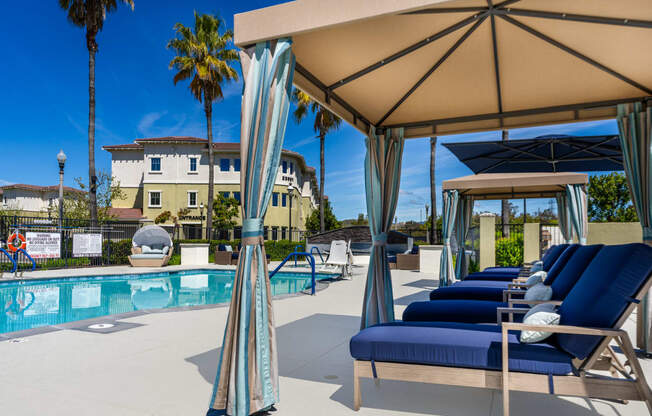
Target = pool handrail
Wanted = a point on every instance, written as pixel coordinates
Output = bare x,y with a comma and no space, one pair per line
295,254
297,248
9,256
20,250
313,248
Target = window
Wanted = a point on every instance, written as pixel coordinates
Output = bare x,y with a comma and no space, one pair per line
275,199
237,233
274,233
225,194
265,232
155,164
283,232
291,168
192,199
236,195
285,166
236,165
284,199
224,165
193,165
154,199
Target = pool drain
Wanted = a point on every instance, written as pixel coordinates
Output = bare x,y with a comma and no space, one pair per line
101,326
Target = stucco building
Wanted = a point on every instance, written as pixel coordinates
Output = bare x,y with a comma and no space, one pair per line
171,173
31,200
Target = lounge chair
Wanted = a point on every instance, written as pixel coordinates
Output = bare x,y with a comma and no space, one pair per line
486,311
338,257
492,356
408,260
151,247
509,273
493,290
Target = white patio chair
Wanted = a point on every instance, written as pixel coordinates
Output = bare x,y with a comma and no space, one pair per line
337,257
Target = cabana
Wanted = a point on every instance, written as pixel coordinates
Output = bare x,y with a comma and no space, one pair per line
569,189
414,68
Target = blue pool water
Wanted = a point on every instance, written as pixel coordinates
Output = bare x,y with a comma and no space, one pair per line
39,303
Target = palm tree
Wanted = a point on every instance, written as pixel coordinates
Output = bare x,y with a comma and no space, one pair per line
203,55
325,121
433,191
90,14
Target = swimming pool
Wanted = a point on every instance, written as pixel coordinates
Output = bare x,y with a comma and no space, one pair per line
33,304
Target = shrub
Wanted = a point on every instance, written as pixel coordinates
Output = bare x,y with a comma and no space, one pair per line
116,252
509,251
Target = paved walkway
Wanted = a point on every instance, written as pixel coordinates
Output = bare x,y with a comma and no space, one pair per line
165,363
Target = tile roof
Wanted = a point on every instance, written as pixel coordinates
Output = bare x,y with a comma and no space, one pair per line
39,188
126,213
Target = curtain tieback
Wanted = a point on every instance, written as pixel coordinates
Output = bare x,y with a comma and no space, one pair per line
252,231
380,239
447,241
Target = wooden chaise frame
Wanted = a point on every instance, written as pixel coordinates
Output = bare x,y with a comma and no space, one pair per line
149,262
632,387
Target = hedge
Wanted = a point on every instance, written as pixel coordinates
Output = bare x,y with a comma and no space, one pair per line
509,251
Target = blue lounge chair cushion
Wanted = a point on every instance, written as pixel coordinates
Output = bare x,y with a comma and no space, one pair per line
552,254
481,283
391,259
221,247
468,292
415,249
603,293
499,269
462,310
571,273
500,277
455,345
559,265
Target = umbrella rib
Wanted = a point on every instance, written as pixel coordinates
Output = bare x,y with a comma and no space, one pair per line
593,146
409,49
525,152
445,10
596,153
576,17
496,66
576,54
441,60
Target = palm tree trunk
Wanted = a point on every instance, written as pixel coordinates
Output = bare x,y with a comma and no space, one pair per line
433,190
322,226
208,108
504,209
92,187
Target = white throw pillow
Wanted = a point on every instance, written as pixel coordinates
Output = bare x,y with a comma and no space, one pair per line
538,292
165,250
535,278
543,314
537,266
228,248
145,249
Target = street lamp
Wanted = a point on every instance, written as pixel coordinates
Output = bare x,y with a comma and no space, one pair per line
61,158
290,211
201,219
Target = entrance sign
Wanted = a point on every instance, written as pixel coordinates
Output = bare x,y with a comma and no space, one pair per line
43,245
87,245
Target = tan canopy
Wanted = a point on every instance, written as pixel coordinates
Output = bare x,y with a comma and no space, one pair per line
443,67
514,185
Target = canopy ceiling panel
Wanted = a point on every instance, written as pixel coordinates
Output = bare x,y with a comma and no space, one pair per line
491,186
456,88
448,67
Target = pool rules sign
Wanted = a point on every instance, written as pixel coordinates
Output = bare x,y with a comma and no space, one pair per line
87,245
43,245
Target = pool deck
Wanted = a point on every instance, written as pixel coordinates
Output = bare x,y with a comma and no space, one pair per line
164,363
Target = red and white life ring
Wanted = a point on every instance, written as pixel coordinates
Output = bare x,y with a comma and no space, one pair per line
13,239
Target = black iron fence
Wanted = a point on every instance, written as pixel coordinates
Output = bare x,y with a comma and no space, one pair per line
549,235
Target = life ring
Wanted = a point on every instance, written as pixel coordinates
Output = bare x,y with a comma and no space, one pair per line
12,240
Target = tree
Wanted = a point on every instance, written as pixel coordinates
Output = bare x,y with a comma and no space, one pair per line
609,199
313,223
225,210
325,122
90,14
203,54
433,189
76,204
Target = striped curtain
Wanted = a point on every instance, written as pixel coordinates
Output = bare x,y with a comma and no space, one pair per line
247,376
577,206
382,178
462,225
446,271
565,225
635,126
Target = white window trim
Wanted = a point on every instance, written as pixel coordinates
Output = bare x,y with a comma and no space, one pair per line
155,172
193,172
149,199
196,199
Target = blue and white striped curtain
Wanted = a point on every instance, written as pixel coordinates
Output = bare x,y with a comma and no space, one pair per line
462,225
565,225
577,207
635,126
247,376
449,211
382,180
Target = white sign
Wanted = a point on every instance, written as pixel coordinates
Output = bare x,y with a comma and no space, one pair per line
87,245
43,245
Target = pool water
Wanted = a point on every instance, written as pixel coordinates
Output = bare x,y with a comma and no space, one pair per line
33,304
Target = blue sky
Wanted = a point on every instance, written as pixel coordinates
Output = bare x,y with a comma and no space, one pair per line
44,105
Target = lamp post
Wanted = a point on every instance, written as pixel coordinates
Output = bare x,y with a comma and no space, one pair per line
61,158
201,219
290,212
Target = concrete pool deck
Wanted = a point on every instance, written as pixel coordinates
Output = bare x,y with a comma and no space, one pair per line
164,364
